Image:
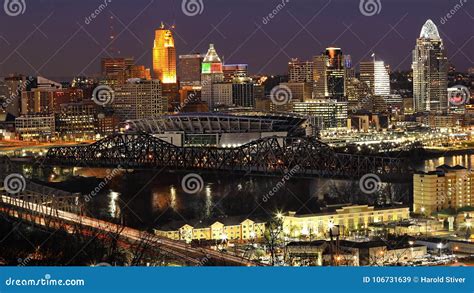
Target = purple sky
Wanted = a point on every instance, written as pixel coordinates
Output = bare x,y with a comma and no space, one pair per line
48,40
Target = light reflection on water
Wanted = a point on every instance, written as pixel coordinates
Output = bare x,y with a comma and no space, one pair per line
153,201
114,208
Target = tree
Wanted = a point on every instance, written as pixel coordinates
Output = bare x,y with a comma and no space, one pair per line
273,236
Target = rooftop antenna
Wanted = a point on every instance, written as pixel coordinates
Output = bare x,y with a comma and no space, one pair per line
112,50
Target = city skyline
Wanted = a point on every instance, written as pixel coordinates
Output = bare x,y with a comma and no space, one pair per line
357,35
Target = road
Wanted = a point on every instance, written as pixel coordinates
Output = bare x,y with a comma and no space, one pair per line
180,249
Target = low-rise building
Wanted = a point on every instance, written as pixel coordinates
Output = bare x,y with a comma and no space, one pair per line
348,218
229,228
447,187
35,127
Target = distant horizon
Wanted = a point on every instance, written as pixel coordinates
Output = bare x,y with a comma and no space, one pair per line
58,40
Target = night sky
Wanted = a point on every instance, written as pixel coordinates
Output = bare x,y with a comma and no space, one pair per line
48,39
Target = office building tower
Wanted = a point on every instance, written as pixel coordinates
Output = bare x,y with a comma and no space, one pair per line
139,99
40,97
329,73
190,70
375,75
300,91
211,73
164,56
243,93
300,71
234,71
116,66
430,69
323,113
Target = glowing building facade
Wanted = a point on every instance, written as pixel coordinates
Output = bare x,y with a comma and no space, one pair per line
164,56
375,75
430,70
329,72
211,74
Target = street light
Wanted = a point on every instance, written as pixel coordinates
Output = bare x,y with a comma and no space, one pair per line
440,246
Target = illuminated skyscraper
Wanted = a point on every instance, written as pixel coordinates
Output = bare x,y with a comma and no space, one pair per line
164,56
300,71
190,69
211,74
375,75
329,73
430,70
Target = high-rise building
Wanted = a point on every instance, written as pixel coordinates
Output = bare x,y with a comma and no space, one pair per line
190,69
164,56
116,66
300,71
243,93
375,75
323,113
139,99
300,91
40,99
118,70
329,71
430,70
234,71
211,73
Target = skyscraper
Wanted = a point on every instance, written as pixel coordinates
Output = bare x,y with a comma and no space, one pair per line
164,56
329,73
211,73
300,71
190,69
234,71
375,75
430,70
